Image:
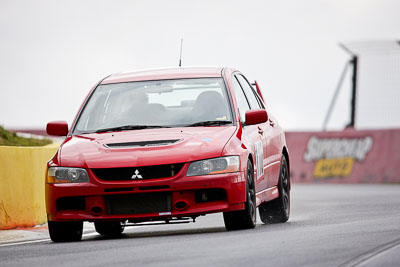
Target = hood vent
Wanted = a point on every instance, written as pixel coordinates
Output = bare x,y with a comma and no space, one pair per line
142,143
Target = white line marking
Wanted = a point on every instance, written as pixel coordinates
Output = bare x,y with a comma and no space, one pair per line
25,242
39,241
48,239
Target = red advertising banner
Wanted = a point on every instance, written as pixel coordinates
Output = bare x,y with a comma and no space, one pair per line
349,156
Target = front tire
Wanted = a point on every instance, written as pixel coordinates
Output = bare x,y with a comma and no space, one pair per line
244,219
65,231
278,210
109,228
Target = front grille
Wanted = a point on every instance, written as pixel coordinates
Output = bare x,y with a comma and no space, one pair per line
138,173
138,203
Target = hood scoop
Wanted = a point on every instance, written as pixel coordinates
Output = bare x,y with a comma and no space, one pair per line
142,143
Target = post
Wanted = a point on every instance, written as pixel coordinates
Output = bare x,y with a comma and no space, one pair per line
354,61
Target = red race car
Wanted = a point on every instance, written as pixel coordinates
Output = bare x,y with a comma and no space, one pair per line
168,145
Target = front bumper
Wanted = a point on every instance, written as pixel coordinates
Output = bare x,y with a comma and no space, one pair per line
186,197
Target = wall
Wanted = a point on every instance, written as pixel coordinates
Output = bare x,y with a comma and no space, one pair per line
350,156
22,174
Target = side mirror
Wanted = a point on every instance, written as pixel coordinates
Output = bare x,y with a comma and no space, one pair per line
256,116
58,128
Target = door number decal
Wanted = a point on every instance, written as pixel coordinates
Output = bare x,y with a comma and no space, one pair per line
259,159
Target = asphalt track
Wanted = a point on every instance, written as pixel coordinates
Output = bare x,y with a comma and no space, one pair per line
330,225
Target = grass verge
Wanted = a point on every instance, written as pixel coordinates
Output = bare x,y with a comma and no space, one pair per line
11,139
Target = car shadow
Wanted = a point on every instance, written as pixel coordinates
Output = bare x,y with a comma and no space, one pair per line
149,233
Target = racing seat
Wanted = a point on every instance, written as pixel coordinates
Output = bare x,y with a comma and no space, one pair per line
209,106
156,113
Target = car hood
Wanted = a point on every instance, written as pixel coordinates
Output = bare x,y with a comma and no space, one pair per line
98,151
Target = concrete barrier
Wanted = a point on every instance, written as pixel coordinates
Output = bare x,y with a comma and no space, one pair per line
350,156
22,174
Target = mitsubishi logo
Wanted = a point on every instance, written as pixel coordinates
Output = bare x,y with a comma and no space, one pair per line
136,175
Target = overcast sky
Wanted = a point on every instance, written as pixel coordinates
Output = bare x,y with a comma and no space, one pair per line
53,52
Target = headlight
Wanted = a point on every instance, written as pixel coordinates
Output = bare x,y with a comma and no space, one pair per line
66,175
214,166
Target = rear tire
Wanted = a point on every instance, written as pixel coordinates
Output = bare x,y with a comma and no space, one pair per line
65,231
278,210
109,228
244,219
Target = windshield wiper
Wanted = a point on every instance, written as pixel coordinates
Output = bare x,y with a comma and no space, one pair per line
129,127
208,123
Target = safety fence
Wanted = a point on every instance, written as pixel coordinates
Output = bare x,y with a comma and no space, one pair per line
350,156
22,174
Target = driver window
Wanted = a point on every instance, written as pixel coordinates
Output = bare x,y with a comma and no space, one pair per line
241,100
248,90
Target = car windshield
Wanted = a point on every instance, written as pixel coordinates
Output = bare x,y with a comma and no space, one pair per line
154,104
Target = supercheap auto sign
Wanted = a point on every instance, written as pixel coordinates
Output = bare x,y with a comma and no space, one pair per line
336,156
348,156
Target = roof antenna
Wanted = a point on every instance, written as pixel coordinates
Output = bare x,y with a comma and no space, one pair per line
180,57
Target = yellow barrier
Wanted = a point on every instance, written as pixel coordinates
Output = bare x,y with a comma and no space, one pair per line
22,174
